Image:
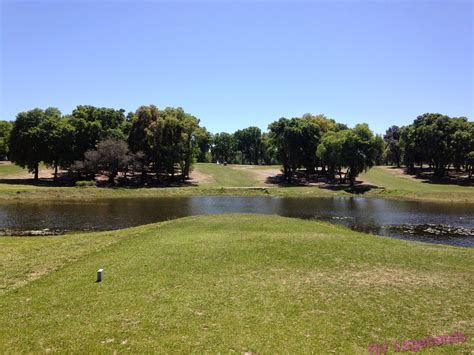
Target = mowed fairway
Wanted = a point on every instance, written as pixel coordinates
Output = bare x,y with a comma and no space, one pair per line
226,176
243,283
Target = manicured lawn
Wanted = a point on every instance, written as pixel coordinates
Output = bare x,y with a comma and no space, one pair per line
227,176
399,186
231,283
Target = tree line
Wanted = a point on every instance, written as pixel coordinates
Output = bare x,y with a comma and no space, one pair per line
437,141
161,145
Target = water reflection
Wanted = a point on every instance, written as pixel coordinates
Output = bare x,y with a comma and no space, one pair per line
390,218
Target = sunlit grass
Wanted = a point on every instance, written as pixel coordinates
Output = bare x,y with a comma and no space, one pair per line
243,283
399,186
227,176
234,180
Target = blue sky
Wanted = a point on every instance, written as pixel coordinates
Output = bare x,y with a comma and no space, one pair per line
236,64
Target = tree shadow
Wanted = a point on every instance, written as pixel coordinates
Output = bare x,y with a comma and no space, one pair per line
301,180
43,182
426,175
132,182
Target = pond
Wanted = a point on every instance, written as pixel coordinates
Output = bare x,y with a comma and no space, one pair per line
423,221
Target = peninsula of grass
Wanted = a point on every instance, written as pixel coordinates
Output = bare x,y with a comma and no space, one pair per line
231,283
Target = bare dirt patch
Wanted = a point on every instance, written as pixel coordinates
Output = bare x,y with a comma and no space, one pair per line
198,177
261,174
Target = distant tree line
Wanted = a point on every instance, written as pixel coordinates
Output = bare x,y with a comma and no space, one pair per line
437,141
161,145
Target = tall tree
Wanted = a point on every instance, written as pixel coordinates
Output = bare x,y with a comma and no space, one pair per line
358,150
93,124
58,134
249,142
5,131
203,140
28,145
393,148
223,147
330,153
171,139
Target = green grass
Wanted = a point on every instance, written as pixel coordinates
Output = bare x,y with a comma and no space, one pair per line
231,283
235,181
7,168
227,176
404,187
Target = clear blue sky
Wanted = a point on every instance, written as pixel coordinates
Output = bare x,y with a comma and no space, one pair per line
236,64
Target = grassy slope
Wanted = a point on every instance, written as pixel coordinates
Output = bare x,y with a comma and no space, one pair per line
231,283
406,187
227,176
7,168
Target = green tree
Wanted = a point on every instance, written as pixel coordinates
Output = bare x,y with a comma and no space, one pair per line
5,131
203,140
58,134
330,153
393,149
28,141
268,150
379,148
249,142
94,124
171,139
223,148
296,141
358,150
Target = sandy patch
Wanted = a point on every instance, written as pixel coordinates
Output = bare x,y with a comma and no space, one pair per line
198,177
260,173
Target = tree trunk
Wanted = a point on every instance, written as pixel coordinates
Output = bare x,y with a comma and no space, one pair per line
55,171
36,171
144,177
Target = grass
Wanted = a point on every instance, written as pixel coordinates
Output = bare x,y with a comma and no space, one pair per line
406,187
7,168
231,283
227,176
240,181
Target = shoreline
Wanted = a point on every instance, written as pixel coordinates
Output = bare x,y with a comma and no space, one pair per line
25,193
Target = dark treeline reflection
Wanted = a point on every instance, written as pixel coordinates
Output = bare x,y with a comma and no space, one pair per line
432,222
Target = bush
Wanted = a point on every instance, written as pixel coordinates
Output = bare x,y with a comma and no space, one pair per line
85,183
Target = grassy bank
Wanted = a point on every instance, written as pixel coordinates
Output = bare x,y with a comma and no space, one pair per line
238,181
240,283
401,186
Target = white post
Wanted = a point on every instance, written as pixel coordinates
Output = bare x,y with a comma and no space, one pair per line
100,275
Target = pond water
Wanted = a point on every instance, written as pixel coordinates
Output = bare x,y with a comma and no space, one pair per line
423,221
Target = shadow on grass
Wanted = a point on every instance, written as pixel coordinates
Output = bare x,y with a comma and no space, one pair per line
426,175
321,182
120,183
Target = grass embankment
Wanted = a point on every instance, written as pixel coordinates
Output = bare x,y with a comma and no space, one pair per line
242,283
213,179
401,186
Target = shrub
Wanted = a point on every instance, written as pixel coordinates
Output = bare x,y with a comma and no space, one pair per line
85,183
